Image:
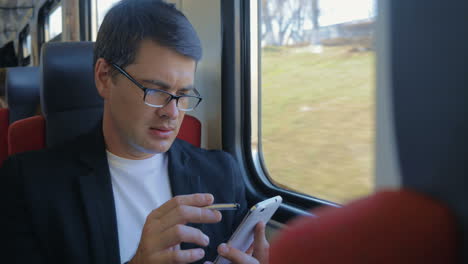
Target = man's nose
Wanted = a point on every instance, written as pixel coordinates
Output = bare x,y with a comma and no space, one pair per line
170,110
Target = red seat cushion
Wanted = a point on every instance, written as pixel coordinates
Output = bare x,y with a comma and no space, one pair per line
190,130
388,227
3,134
26,135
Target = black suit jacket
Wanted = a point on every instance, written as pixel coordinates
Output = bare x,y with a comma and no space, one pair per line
59,205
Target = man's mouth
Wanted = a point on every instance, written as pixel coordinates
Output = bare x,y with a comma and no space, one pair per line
161,132
160,129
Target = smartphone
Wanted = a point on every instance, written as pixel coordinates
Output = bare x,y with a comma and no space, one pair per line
243,237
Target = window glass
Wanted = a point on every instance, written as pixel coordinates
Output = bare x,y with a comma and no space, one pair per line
99,10
26,43
54,23
102,7
317,96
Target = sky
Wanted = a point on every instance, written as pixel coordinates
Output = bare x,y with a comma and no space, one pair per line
55,22
103,6
332,11
339,11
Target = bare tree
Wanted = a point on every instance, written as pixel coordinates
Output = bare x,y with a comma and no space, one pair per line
315,14
283,21
287,11
276,21
267,22
299,17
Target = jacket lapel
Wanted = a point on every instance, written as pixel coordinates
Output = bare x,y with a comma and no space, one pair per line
183,177
183,181
98,200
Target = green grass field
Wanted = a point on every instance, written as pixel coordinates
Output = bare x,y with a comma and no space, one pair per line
318,120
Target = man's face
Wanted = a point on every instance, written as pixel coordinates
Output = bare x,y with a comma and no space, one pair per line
133,129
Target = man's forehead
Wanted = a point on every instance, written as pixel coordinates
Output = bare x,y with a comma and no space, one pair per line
149,48
166,86
161,72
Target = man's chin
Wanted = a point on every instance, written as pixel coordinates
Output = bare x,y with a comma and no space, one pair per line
155,147
161,146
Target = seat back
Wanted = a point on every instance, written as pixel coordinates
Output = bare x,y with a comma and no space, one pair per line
26,135
190,131
2,82
22,92
70,102
389,227
3,134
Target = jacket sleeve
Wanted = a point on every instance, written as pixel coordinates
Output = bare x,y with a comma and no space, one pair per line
239,192
22,244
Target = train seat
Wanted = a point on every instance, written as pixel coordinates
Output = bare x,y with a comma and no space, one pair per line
22,95
26,135
4,123
22,92
70,103
190,130
387,227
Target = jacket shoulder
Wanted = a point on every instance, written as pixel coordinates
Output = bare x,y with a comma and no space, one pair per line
49,154
46,164
200,153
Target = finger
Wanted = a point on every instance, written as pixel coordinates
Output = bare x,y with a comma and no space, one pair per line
179,216
184,214
250,250
235,255
260,245
197,199
178,234
180,256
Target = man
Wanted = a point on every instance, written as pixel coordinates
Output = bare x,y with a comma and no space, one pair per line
129,191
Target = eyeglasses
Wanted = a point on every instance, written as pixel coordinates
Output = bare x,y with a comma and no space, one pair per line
160,98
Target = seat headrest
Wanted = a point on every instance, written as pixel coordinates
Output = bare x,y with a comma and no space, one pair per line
70,101
22,91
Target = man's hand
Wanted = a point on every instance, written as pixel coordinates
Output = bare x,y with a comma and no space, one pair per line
165,229
256,254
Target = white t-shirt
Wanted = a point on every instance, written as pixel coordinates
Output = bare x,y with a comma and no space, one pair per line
139,187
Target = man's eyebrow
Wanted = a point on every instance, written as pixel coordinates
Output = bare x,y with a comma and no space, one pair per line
161,84
187,88
166,86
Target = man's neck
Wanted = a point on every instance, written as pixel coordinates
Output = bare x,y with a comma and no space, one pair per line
116,145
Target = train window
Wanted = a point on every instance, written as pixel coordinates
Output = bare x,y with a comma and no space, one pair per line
315,92
99,11
53,23
25,44
49,23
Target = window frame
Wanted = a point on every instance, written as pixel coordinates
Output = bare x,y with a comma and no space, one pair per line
58,37
86,30
44,11
94,25
237,72
93,19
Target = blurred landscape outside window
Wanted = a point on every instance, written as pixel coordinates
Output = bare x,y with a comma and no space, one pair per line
317,96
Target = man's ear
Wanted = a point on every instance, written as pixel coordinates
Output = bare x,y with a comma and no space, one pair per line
102,77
